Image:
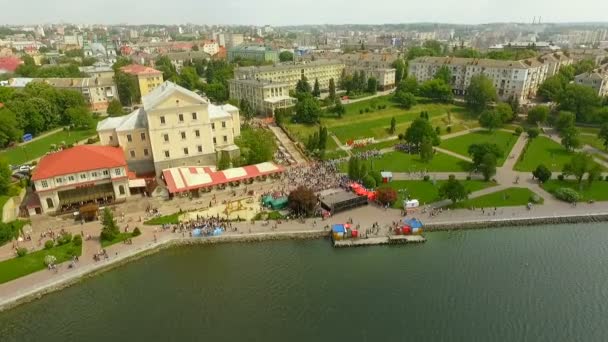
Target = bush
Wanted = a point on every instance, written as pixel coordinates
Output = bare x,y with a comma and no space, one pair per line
427,178
50,260
49,244
21,252
360,111
519,131
72,251
367,110
64,239
136,232
438,130
560,177
400,136
567,195
77,240
534,199
448,129
34,163
369,182
468,178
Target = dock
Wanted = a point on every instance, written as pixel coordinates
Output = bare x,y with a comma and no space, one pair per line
379,240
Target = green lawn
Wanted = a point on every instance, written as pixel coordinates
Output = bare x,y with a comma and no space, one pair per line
460,145
33,262
427,192
37,148
592,140
593,130
13,190
543,150
510,197
335,154
403,162
377,146
167,219
119,238
597,191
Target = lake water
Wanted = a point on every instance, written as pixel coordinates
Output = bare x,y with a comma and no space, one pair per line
522,284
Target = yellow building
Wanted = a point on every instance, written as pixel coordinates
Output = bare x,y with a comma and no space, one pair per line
147,78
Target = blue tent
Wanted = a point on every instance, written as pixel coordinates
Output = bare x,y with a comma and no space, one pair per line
414,223
338,228
218,231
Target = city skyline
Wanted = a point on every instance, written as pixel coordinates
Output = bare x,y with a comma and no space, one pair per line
238,12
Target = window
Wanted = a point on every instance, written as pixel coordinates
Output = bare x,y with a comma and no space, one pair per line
225,138
49,203
185,151
194,117
180,117
162,120
44,184
94,174
71,178
143,136
223,124
121,189
111,138
212,125
214,141
58,180
106,172
129,138
199,148
132,153
197,133
166,154
183,134
117,172
166,137
83,176
145,152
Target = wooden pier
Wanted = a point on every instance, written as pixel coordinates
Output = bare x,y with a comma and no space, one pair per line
379,240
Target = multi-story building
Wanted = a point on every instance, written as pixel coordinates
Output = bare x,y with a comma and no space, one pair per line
253,52
98,92
210,46
98,70
233,39
512,79
147,78
178,59
292,73
265,96
82,174
596,79
183,129
101,52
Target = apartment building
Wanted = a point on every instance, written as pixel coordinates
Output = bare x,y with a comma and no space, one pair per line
98,92
292,73
210,46
265,96
596,79
179,59
183,129
147,78
512,79
98,70
253,52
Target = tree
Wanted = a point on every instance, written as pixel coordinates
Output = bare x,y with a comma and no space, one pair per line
189,78
405,99
316,92
369,182
505,112
115,108
480,93
128,88
322,138
81,118
479,151
257,146
487,167
9,128
303,87
570,138
393,125
603,134
246,110
491,120
332,89
286,56
109,229
372,85
579,165
564,121
386,195
339,108
410,85
542,173
195,47
400,70
223,162
453,190
357,169
302,201
420,129
436,89
552,87
580,99
164,65
538,114
307,110
5,177
533,132
426,150
445,74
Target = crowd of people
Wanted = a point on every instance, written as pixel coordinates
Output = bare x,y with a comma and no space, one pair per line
317,176
365,155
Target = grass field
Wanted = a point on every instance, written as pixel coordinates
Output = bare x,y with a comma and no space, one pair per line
335,154
511,197
37,148
119,238
167,219
460,145
543,150
377,146
403,162
427,192
597,191
33,262
592,140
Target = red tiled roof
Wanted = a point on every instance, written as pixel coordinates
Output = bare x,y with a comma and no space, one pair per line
10,64
78,159
1,104
136,69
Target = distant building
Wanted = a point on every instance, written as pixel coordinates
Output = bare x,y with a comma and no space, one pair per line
253,52
210,46
178,59
264,96
79,175
98,70
176,127
147,78
9,64
596,79
101,52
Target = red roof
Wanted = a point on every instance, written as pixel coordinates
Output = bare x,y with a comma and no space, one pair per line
136,69
79,159
10,64
1,104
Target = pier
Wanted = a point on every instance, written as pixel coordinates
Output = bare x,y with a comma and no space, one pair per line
379,240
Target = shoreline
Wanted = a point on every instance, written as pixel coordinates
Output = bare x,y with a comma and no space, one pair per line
79,274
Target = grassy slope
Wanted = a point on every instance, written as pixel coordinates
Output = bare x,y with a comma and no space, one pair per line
597,191
546,151
403,162
460,145
427,192
510,197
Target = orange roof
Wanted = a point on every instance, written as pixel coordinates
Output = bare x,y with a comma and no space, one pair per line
79,159
136,69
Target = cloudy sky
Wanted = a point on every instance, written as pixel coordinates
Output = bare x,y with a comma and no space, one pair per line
291,12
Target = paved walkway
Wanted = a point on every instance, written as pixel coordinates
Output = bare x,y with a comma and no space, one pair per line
378,94
341,146
453,154
288,144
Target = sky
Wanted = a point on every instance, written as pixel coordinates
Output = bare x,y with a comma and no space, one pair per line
298,12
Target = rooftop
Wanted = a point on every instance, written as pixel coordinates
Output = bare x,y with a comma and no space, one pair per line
136,119
247,47
136,69
10,64
290,66
165,90
79,159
